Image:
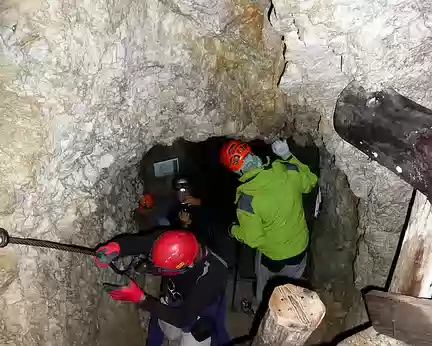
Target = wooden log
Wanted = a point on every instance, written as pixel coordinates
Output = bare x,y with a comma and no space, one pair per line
412,276
404,318
397,133
293,314
389,128
413,272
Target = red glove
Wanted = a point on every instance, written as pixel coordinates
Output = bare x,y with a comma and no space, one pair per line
106,254
130,293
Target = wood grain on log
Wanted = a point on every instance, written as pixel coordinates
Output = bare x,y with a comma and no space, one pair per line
397,133
293,314
389,128
413,272
404,318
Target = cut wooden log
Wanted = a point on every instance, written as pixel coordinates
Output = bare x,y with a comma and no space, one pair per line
404,318
293,314
389,128
413,272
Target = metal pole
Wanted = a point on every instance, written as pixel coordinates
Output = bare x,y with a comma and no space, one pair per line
5,239
236,268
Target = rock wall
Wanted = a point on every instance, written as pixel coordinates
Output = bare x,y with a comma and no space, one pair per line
370,337
333,249
381,44
355,238
86,88
331,42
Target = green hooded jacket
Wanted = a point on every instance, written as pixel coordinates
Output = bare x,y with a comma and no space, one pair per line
270,208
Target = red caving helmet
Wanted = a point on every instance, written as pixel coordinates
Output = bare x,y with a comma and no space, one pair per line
174,251
146,201
233,154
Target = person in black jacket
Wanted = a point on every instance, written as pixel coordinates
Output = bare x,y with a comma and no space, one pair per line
192,302
189,212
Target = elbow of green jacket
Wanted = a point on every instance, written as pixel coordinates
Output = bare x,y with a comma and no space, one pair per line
242,237
312,182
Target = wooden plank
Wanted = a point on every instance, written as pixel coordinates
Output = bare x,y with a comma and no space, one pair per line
413,272
293,314
397,133
389,128
412,276
404,318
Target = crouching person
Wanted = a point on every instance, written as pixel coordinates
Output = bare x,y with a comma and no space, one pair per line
192,305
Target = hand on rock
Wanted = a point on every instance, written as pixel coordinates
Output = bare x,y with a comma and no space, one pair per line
281,148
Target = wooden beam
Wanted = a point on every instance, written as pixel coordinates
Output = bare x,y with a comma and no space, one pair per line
293,314
389,128
413,272
397,318
404,318
397,133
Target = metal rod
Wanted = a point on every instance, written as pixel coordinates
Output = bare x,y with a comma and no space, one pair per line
236,269
52,245
5,239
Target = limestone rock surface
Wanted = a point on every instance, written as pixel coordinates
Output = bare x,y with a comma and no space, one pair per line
331,42
86,87
370,337
381,44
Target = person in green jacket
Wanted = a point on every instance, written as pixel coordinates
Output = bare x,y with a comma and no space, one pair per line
270,209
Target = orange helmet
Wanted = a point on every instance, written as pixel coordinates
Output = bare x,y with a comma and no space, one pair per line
233,154
174,251
146,201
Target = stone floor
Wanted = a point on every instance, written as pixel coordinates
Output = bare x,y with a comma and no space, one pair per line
238,323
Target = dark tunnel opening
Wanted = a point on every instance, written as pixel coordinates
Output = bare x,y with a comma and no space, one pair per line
216,186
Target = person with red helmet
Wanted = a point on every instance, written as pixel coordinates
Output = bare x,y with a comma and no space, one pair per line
192,302
270,209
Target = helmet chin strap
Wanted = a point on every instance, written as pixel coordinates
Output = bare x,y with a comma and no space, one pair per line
167,272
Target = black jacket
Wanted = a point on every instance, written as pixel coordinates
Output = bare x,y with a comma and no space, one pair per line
202,225
198,287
